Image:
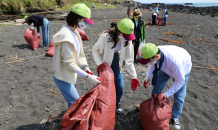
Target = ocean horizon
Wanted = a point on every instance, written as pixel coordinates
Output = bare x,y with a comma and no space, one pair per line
194,4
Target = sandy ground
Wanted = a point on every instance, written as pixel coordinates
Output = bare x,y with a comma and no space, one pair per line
29,95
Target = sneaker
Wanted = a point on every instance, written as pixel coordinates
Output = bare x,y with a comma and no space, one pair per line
41,45
176,124
119,109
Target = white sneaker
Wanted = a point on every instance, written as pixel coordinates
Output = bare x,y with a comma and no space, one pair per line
119,109
176,124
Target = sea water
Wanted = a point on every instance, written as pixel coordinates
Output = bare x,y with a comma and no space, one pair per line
194,4
197,4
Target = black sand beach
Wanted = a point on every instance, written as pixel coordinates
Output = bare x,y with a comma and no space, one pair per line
30,97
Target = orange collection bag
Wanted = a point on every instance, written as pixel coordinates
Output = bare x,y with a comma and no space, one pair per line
155,113
51,49
83,35
30,36
96,109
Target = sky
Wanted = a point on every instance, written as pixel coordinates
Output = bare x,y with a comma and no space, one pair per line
173,1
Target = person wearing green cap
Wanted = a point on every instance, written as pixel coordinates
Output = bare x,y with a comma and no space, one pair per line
165,62
107,48
39,21
69,58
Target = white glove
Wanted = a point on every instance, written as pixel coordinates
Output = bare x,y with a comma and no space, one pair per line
93,80
31,27
87,70
146,79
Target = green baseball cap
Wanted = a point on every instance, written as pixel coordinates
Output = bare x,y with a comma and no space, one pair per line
147,52
25,17
84,11
126,26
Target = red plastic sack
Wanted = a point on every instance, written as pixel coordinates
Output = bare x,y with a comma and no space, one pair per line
50,51
31,38
129,13
83,35
50,44
155,113
96,109
159,21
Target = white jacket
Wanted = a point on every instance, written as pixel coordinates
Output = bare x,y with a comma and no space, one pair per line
102,52
66,60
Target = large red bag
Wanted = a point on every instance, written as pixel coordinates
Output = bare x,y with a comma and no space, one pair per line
155,113
83,35
30,36
50,44
50,51
159,21
129,13
96,109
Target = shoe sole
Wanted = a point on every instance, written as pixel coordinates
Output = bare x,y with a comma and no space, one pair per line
177,127
118,112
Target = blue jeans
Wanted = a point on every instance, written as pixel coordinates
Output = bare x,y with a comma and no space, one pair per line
45,32
179,96
165,21
118,77
68,91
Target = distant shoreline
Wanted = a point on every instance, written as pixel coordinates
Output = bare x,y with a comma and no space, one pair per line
192,4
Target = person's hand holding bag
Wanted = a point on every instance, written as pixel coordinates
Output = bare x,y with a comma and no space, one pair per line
88,71
134,84
94,80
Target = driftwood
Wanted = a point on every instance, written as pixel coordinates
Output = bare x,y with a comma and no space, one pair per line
23,59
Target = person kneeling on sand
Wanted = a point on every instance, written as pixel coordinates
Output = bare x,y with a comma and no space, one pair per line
39,21
165,62
69,56
106,50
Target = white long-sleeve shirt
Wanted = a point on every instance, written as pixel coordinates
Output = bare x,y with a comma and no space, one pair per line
177,63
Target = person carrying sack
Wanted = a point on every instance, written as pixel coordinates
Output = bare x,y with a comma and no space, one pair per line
69,58
39,21
139,31
165,62
107,48
165,15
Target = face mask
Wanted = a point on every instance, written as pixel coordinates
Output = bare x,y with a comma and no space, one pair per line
136,18
152,63
82,25
122,38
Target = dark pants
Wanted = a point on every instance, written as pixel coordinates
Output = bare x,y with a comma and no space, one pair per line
136,47
165,21
118,77
154,19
